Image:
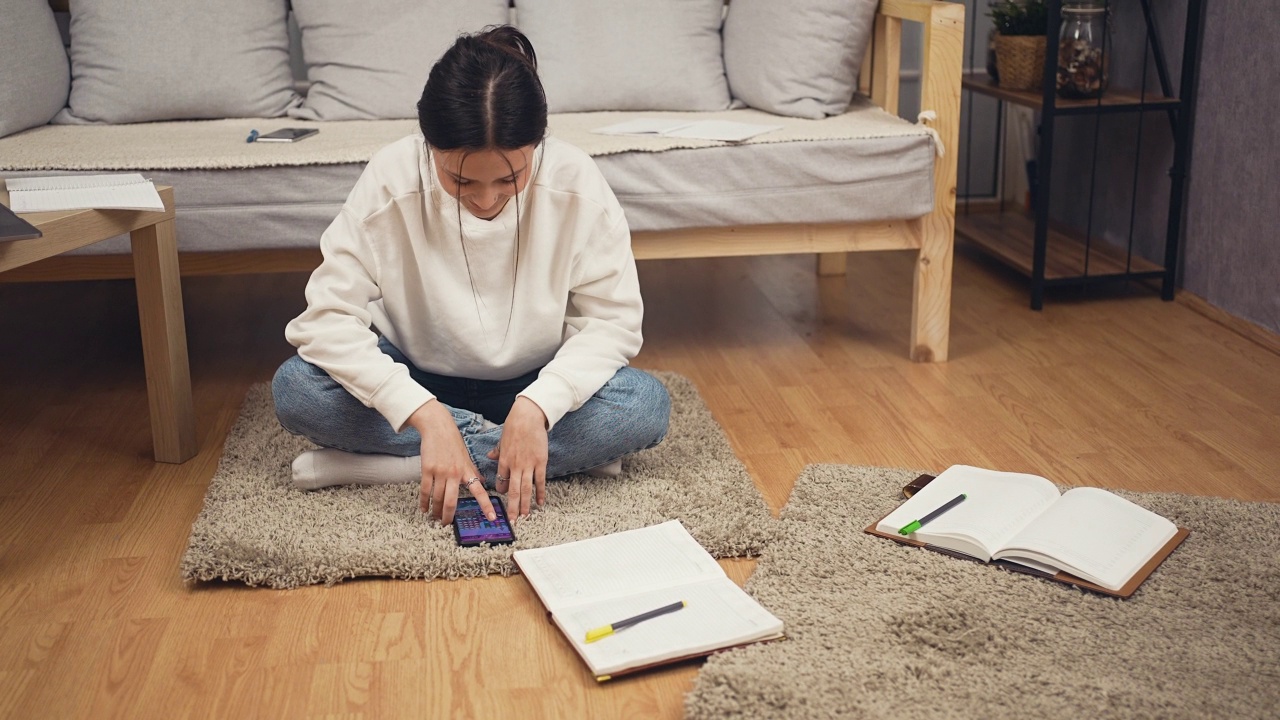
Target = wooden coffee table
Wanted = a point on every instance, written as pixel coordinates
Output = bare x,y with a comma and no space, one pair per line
155,267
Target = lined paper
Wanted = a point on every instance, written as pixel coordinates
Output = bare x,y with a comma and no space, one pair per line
129,191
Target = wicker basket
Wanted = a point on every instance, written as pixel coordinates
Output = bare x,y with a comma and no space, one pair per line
1020,61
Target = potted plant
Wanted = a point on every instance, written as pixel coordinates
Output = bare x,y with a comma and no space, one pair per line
1020,42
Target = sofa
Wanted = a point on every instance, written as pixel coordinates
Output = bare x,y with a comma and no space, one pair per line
172,88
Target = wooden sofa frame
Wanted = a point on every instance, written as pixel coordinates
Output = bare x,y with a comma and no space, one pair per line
930,236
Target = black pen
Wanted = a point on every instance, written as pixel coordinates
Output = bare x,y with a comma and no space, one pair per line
607,630
915,525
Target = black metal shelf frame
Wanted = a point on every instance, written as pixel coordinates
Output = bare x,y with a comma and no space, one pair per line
1180,111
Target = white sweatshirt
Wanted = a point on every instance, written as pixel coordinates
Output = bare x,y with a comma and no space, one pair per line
394,260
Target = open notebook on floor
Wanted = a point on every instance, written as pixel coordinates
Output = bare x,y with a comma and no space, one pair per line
1085,536
590,584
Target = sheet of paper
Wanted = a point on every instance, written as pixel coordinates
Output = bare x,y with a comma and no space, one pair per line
615,565
1098,535
724,130
130,191
642,126
998,504
717,614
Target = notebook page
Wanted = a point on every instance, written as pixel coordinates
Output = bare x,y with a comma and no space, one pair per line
998,504
1095,535
77,192
74,182
717,614
614,565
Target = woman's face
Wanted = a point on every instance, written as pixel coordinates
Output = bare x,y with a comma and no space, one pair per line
484,180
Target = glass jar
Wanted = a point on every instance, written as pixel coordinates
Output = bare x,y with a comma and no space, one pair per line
1084,49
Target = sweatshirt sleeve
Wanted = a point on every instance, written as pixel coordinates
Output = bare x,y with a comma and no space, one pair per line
602,325
335,332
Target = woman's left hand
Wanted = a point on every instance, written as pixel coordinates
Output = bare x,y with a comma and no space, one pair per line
522,457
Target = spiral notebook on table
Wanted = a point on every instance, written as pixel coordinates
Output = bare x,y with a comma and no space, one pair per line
127,191
596,583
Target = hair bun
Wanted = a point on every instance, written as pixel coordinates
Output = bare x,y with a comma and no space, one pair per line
511,41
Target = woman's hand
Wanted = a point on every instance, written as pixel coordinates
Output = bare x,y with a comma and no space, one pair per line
522,457
446,464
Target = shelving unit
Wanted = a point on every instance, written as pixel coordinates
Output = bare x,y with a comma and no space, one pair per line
1054,255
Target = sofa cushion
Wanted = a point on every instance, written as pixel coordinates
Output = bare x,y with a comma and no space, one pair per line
627,55
144,60
865,165
798,58
373,63
822,181
34,73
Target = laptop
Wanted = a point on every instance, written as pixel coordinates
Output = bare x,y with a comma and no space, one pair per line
13,227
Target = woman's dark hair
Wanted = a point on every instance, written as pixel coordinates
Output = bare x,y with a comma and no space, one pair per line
484,93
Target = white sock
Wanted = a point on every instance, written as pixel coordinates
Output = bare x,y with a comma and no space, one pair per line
315,469
608,470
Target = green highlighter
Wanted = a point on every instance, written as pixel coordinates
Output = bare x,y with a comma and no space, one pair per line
915,525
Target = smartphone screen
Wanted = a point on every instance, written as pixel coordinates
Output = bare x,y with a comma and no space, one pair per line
471,527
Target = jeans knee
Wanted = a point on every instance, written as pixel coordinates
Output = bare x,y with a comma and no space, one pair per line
289,388
651,405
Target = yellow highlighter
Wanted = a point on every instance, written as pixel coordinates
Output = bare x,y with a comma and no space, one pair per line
607,630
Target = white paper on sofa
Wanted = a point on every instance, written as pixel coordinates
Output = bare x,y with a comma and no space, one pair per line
726,130
127,191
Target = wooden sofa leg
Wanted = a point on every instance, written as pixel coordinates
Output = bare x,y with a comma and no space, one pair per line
940,91
833,263
931,290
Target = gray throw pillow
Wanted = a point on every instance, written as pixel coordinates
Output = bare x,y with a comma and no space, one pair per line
370,61
34,74
144,60
627,54
799,58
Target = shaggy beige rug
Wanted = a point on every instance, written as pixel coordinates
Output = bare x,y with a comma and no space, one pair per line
256,528
879,630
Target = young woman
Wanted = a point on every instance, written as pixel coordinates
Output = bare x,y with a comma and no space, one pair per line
477,305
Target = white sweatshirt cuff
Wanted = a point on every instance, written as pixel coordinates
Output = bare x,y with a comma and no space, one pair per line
398,398
554,395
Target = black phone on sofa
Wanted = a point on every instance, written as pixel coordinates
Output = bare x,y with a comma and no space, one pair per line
287,135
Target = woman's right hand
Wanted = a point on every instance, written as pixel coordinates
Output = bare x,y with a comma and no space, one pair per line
446,464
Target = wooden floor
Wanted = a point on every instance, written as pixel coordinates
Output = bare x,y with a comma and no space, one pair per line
1120,391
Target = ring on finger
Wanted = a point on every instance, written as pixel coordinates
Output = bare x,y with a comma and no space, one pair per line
470,482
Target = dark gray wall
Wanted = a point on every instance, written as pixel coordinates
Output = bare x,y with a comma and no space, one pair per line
1229,256
1232,256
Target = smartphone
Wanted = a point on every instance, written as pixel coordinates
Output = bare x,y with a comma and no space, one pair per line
471,527
916,485
288,135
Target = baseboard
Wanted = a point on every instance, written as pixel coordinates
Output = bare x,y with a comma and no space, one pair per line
1246,329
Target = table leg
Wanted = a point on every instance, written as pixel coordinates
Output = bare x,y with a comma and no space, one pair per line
164,341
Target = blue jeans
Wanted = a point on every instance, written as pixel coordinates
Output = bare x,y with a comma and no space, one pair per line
630,413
